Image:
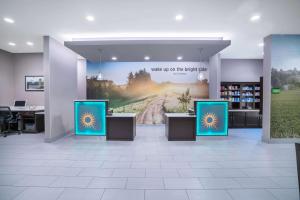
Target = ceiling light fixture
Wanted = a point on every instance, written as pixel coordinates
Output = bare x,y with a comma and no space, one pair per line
114,58
179,57
90,18
9,20
147,58
12,44
261,44
255,18
179,17
29,43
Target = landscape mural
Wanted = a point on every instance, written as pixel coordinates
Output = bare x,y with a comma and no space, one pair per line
285,80
148,88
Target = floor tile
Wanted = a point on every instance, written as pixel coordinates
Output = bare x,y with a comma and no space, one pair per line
284,194
123,195
64,171
190,173
166,195
146,165
86,163
96,172
286,182
182,183
256,183
43,193
145,183
227,173
108,164
111,183
250,194
81,194
208,195
42,181
9,192
9,179
129,173
162,173
219,183
76,182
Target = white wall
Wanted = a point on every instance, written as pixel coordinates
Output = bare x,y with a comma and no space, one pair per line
7,87
241,70
27,64
61,89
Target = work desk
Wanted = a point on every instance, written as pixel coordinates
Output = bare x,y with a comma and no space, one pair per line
32,118
121,126
180,127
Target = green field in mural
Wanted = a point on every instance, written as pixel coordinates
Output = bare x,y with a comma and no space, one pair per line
285,114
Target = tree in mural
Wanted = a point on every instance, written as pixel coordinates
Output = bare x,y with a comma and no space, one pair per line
185,99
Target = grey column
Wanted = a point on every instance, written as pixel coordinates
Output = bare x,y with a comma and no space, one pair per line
267,89
60,70
214,76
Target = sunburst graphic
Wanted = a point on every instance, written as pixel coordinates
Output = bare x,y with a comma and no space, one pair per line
210,120
88,120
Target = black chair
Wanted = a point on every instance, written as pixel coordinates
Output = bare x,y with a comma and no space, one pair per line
8,120
297,145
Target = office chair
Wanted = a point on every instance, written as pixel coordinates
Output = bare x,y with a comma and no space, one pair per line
7,120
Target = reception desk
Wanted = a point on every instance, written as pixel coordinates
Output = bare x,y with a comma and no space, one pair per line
245,118
180,127
121,126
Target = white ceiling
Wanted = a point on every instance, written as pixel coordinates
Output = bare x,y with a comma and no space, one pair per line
63,19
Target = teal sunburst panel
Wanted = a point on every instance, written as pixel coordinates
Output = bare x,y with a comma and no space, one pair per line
90,117
211,118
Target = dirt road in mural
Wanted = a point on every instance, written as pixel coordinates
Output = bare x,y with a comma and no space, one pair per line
154,113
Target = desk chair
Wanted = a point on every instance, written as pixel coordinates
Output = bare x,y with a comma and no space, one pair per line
7,120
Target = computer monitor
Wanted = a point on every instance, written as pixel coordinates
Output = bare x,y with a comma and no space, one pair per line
20,103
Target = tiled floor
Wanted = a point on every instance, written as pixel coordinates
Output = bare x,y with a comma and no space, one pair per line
237,167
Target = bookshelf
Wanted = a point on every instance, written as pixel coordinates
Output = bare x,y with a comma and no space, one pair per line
242,95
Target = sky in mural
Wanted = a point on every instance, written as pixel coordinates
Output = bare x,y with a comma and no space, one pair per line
286,52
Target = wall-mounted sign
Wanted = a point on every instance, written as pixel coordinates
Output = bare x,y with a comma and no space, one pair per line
211,118
90,117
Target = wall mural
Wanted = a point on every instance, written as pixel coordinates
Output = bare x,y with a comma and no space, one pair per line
148,88
285,81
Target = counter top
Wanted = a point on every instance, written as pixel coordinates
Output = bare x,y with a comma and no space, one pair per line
208,100
179,115
27,108
122,115
243,110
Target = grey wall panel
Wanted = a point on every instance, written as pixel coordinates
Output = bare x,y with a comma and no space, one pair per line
241,70
60,68
27,64
7,86
81,78
214,76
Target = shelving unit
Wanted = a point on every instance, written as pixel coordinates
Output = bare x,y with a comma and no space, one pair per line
242,95
245,103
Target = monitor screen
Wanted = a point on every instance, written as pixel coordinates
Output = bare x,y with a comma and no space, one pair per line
20,103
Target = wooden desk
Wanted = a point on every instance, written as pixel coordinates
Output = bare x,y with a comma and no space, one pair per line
180,127
121,126
32,118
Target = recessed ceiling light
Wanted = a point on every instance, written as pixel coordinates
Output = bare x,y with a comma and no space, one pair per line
9,20
261,44
90,18
179,57
29,43
12,44
255,18
114,58
147,58
179,17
